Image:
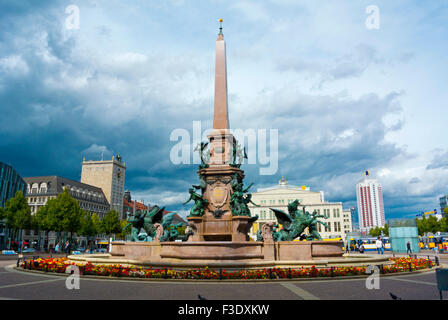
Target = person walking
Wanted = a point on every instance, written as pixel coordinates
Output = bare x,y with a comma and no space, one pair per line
408,246
361,248
67,247
379,246
56,248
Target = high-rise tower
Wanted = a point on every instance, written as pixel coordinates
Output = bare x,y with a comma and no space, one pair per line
109,175
369,196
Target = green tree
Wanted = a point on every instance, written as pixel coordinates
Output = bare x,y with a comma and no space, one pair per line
97,223
17,214
111,223
90,225
433,224
64,214
443,224
88,228
125,230
421,226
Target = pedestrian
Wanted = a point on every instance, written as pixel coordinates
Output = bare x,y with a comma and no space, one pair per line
408,245
361,248
67,247
56,249
379,245
347,248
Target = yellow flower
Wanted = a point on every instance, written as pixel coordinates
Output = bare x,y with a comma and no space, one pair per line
220,20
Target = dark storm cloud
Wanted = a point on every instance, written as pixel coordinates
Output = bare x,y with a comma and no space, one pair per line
55,104
65,95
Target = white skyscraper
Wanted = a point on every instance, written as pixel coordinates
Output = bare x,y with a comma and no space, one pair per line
369,195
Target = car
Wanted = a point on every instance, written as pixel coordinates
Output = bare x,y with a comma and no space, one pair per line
8,252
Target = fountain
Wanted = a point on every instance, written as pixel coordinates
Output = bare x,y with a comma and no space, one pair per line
220,220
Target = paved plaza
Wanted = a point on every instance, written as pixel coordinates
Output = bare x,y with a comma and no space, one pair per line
16,284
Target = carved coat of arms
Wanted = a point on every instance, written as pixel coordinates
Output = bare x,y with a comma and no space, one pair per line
218,194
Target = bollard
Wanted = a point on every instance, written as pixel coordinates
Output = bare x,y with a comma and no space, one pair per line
437,260
220,274
332,271
18,262
289,273
46,267
270,273
119,271
381,269
166,273
410,267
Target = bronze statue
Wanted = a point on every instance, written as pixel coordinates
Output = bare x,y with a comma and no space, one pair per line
295,223
199,206
203,153
312,225
238,200
237,152
146,225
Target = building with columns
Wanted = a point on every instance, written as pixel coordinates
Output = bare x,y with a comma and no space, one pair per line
369,196
280,195
109,175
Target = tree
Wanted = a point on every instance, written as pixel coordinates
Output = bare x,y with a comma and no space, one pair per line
18,214
111,223
443,224
376,232
88,228
63,214
433,224
125,230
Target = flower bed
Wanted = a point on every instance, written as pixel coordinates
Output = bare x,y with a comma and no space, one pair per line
60,265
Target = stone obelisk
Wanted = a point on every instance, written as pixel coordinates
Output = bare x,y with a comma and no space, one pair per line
218,223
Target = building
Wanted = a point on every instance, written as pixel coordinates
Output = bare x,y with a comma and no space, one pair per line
41,189
280,195
443,203
128,205
369,196
10,183
347,217
109,175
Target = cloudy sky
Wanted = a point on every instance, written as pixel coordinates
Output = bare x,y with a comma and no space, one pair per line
344,97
